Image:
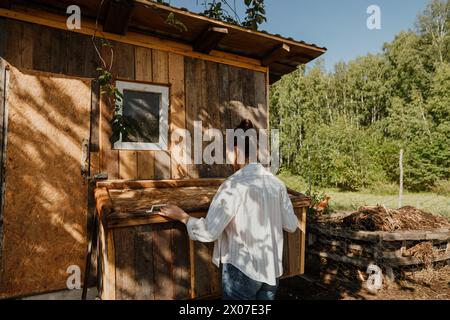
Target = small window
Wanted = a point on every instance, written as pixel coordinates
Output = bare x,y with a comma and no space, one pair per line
146,109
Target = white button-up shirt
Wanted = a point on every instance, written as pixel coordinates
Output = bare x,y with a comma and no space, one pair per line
246,219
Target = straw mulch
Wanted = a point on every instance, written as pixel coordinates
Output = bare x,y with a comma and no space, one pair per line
380,218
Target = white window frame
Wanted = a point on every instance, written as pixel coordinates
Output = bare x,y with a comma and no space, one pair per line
163,116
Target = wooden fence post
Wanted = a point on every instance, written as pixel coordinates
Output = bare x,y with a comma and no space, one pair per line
400,193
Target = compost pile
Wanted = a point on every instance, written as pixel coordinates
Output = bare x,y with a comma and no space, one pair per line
380,218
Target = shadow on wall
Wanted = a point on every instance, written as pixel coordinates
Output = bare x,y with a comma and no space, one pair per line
221,96
45,209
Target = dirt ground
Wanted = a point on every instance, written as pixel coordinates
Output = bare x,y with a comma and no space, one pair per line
421,285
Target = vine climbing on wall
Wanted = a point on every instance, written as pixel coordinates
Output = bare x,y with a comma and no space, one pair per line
217,9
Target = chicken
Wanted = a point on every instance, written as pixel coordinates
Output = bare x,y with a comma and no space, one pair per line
322,205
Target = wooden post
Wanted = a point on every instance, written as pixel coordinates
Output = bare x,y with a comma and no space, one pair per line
303,240
4,79
309,171
193,289
400,193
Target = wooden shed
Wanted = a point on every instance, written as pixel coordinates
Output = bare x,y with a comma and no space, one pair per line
56,124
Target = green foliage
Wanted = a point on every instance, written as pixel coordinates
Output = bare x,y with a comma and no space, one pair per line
216,10
434,27
172,20
439,103
345,128
422,165
114,97
255,13
338,156
316,197
222,10
295,182
442,187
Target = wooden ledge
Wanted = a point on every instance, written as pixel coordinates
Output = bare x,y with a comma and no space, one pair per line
276,54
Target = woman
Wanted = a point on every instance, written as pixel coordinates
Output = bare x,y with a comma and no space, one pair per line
245,221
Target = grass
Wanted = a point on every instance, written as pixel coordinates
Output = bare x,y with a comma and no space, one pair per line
436,203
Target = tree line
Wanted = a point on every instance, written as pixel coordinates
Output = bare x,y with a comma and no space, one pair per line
346,128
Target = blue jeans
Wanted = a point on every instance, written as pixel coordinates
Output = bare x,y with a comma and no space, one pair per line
237,286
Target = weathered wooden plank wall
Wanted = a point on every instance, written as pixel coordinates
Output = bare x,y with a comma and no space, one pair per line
157,261
152,262
221,96
217,94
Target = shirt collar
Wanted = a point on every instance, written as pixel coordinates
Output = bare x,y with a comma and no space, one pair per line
253,167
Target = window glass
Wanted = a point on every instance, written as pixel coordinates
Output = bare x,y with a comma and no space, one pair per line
141,110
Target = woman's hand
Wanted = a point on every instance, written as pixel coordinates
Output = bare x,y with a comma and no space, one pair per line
174,212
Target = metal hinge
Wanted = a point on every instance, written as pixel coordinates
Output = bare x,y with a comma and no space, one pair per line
98,176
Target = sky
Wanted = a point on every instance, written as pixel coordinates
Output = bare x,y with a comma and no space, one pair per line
338,25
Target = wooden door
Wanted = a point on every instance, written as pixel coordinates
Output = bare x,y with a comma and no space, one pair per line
45,209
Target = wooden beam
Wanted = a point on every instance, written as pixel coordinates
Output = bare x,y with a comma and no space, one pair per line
276,54
209,39
5,4
300,57
281,68
118,16
120,220
141,184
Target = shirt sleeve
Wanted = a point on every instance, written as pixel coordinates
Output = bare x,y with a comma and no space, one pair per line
222,209
289,219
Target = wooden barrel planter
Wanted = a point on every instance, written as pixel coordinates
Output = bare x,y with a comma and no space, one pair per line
144,256
356,250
